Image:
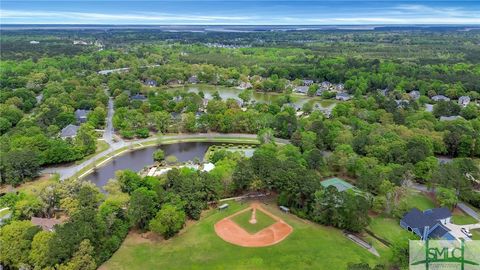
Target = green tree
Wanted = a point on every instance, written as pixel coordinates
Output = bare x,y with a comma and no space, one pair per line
15,242
168,221
83,258
86,139
447,197
245,96
40,248
158,155
16,166
266,135
128,180
143,203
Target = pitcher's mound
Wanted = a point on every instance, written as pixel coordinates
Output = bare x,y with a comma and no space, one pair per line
233,233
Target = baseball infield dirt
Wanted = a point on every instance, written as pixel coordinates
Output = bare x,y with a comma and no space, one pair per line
271,235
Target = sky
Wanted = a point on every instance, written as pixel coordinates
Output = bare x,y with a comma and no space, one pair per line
240,12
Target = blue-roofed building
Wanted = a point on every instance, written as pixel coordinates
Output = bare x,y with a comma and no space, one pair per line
429,223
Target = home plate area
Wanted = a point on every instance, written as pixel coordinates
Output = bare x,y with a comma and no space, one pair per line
253,227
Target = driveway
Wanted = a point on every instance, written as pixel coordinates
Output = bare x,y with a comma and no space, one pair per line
455,230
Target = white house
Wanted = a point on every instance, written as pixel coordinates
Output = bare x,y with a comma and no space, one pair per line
440,97
342,96
464,101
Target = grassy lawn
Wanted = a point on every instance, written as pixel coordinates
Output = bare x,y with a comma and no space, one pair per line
476,234
33,186
388,229
419,200
310,246
263,221
460,218
101,146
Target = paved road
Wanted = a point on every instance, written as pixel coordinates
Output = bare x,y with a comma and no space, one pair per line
108,134
69,170
467,209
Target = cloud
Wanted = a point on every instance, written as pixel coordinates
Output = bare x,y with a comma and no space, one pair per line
248,14
89,17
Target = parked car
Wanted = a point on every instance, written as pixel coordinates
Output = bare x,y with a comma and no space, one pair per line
466,232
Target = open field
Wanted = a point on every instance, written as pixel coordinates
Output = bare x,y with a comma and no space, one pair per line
309,246
476,234
263,221
388,229
33,186
419,200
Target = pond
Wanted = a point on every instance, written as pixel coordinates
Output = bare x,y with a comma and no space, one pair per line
138,159
230,92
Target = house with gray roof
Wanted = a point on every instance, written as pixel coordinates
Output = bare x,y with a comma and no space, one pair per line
343,96
325,85
414,94
307,82
193,79
464,101
69,131
81,115
339,87
440,98
429,223
301,89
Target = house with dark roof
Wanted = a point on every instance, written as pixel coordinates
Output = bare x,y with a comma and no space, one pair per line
429,223
139,97
440,98
69,131
81,115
